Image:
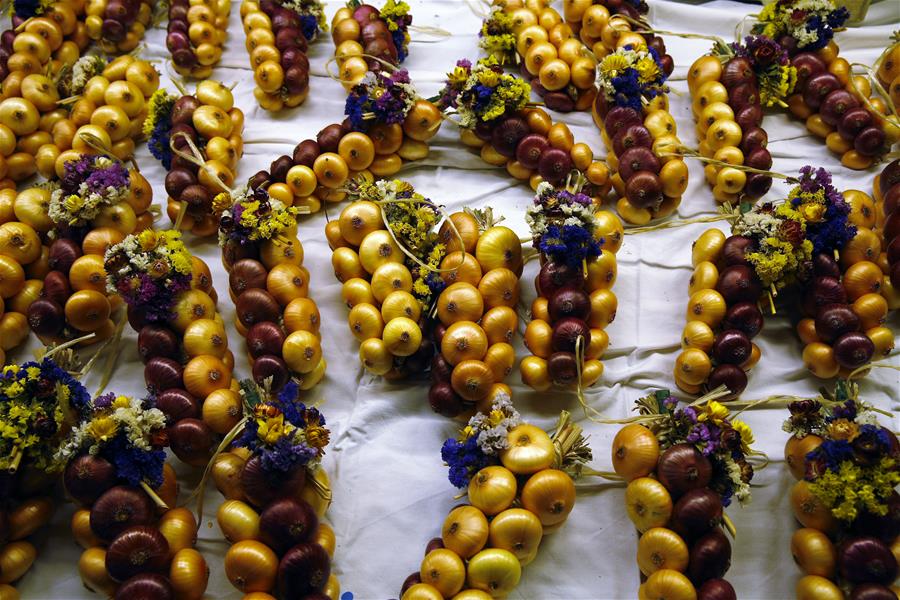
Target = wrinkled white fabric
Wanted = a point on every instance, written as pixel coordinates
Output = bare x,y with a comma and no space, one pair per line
390,487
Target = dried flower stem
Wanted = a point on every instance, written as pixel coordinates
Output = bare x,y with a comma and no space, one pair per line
154,496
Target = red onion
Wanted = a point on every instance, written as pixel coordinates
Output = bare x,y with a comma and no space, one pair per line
444,400
890,175
644,190
192,441
870,141
287,522
566,333
434,544
137,550
262,486
731,376
554,275
46,317
162,373
178,404
256,305
267,366
867,560
563,368
530,148
637,159
824,265
87,476
146,586
872,591
731,347
757,185
736,71
329,138
818,87
506,136
835,105
411,580
156,340
696,513
440,369
304,569
716,589
63,253
750,118
807,65
682,468
834,320
753,138
738,283
56,287
744,316
620,117
119,508
633,136
853,121
569,302
247,274
853,350
306,153
265,337
554,165
710,557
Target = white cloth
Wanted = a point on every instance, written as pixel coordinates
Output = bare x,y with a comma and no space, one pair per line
390,488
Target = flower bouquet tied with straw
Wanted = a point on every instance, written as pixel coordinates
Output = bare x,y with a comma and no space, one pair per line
847,468
575,301
520,483
683,466
270,471
133,537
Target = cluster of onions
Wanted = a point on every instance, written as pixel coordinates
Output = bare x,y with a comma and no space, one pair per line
24,262
364,41
31,53
319,169
117,25
133,547
196,34
377,286
888,72
838,107
722,316
477,314
842,555
25,511
887,190
276,42
274,519
683,551
535,149
273,311
561,68
511,506
727,109
211,121
111,110
73,299
187,363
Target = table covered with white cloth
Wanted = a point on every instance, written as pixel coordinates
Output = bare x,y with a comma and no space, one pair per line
389,485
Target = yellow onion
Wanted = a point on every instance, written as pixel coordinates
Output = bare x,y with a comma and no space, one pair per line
465,531
635,451
661,548
549,494
648,503
460,302
302,351
697,334
499,247
377,248
795,451
444,570
388,278
375,356
238,521
15,560
222,410
466,226
179,527
251,566
704,277
188,574
325,538
402,336
420,591
535,373
667,584
312,494
365,322
809,509
708,247
495,571
29,516
205,336
814,587
226,473
492,489
205,374
499,287
81,529
358,219
813,552
516,530
529,450
458,266
92,568
707,306
463,340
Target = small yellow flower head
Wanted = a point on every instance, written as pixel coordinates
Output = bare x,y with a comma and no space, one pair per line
221,201
842,429
813,213
713,412
73,203
488,78
317,436
121,402
647,69
458,75
613,64
746,434
147,239
103,428
271,429
467,432
33,372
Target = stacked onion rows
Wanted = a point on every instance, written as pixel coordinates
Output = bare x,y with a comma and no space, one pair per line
683,551
24,262
23,513
29,59
888,73
73,298
729,115
111,108
188,368
377,287
196,34
722,316
561,68
319,168
842,558
569,317
272,523
534,149
357,32
270,289
888,188
118,25
834,109
210,119
277,48
132,547
485,544
477,316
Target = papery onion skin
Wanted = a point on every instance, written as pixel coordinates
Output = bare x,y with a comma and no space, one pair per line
867,560
682,468
696,513
710,557
119,508
872,591
137,550
146,586
87,476
716,589
287,522
303,569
